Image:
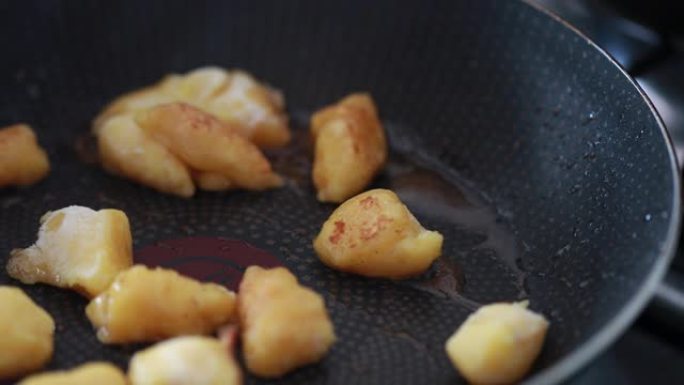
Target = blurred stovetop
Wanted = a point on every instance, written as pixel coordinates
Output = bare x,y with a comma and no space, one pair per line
650,47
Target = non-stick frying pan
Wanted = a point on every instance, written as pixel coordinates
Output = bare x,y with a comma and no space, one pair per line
541,162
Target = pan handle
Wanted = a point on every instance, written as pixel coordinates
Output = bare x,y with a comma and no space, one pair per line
667,307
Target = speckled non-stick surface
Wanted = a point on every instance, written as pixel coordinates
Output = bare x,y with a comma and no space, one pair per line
531,152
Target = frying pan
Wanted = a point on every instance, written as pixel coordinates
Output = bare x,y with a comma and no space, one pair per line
542,163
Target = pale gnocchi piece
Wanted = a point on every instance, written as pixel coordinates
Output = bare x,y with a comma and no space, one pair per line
26,342
188,360
284,325
86,374
255,110
350,147
144,304
497,344
77,248
22,160
374,234
208,145
127,151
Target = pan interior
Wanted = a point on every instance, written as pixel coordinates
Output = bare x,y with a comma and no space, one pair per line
527,148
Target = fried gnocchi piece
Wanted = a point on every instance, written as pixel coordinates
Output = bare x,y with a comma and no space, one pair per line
145,304
207,144
22,160
189,360
235,97
86,374
127,151
77,248
27,334
375,235
210,181
497,344
238,106
350,147
284,325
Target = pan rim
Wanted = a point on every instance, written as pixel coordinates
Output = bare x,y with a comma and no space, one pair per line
580,357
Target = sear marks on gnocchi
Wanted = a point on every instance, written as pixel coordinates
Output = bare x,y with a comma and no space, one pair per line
497,344
77,248
235,97
22,161
27,343
189,360
374,234
208,145
87,374
284,325
145,304
350,147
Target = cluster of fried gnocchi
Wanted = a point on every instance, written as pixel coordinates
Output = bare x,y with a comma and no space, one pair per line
272,308
90,252
498,343
350,147
205,130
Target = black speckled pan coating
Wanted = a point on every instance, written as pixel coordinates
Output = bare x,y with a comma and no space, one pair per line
571,196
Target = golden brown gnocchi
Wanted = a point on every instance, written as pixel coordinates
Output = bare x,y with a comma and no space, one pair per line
22,160
208,145
144,304
497,344
350,147
26,342
235,97
127,151
77,248
284,325
188,360
231,112
87,374
255,110
374,234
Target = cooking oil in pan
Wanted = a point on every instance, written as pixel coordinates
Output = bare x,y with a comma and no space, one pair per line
448,201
